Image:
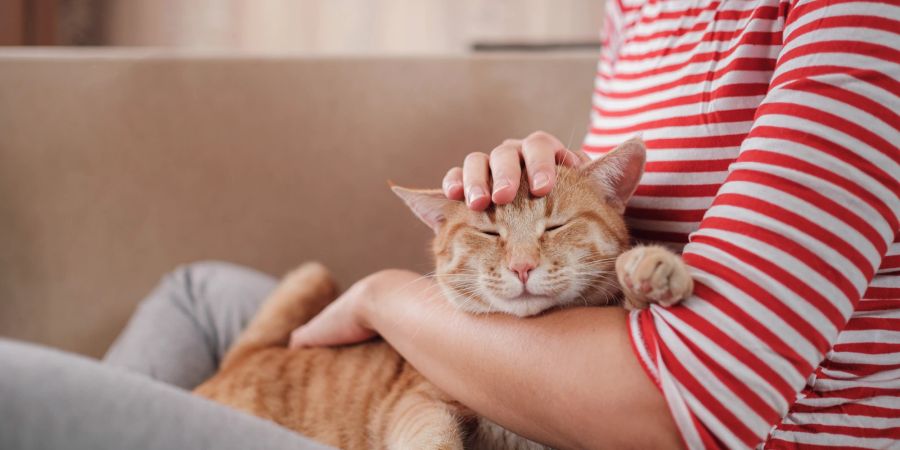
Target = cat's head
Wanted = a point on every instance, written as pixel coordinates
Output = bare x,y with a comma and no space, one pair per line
535,253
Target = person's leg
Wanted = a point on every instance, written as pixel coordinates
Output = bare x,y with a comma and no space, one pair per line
51,399
180,332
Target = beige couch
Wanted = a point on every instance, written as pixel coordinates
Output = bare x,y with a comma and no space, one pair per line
118,165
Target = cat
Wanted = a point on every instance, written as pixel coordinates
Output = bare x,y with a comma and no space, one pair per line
568,248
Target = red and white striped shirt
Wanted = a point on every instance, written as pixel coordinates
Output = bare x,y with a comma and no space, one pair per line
772,130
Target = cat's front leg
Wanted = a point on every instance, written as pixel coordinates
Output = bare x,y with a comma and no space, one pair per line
651,274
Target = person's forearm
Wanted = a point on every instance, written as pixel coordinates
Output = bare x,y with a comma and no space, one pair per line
568,378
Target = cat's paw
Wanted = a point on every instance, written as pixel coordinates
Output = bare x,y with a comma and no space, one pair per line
652,275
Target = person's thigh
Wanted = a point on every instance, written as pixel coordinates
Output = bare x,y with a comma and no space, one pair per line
181,331
53,399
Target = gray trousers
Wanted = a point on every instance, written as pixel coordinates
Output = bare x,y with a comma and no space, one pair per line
137,397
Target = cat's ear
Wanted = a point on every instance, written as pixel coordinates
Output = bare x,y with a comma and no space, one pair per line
616,175
429,205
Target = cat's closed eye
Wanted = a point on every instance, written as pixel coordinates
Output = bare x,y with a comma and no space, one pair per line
492,233
554,227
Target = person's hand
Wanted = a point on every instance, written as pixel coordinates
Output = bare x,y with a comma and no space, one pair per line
345,320
499,173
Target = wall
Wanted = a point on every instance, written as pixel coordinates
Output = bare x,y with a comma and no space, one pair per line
349,26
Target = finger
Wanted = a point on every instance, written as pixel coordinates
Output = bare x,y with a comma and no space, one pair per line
453,184
475,181
297,338
316,335
320,330
327,329
505,172
539,152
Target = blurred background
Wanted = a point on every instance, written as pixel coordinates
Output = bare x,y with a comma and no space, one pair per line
137,135
308,26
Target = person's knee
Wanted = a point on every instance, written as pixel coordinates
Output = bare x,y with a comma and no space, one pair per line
28,364
15,352
212,282
199,272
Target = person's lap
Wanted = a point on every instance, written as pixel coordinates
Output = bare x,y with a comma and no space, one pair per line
181,331
138,397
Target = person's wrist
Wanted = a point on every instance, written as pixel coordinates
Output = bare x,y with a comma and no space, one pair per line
373,288
377,290
367,300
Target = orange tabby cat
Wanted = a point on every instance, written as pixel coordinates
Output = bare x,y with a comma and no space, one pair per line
522,259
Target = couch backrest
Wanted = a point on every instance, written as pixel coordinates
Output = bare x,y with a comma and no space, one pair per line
118,165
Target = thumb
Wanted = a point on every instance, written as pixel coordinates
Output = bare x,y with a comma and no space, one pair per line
298,337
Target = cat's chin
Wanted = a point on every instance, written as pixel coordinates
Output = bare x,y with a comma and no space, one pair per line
524,305
521,306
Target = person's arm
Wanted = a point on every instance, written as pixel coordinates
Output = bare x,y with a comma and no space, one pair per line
568,379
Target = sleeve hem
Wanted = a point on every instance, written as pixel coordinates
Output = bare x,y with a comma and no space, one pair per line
640,348
638,323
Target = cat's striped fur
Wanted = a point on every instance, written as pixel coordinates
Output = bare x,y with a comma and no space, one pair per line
358,397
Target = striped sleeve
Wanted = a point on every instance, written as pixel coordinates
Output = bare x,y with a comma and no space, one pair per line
795,234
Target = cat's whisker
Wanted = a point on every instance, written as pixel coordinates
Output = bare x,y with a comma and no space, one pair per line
594,255
596,267
590,274
596,279
432,297
460,277
594,263
404,286
452,278
580,261
571,137
430,294
588,270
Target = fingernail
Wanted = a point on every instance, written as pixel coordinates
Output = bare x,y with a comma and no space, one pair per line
475,193
450,186
540,180
501,184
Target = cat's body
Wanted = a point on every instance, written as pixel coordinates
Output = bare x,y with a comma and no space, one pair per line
356,397
363,396
521,259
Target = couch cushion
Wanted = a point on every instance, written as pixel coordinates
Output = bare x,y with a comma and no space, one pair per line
117,165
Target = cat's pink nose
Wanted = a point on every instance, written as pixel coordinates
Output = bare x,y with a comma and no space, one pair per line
522,268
